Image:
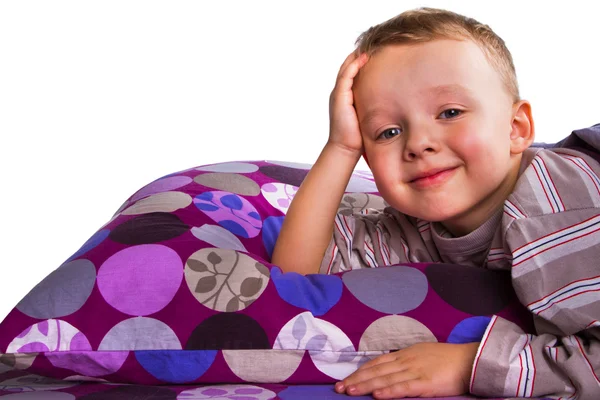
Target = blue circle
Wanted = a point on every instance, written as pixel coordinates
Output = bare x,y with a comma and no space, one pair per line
469,330
270,233
206,196
92,242
234,228
324,392
176,366
315,293
207,207
232,201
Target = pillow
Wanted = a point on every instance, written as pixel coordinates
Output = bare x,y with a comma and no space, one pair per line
177,288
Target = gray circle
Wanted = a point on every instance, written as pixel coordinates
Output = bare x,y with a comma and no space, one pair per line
390,290
62,292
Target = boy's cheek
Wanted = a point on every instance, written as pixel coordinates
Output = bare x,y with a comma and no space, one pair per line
473,145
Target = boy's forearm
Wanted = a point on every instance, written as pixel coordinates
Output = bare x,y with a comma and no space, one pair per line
308,225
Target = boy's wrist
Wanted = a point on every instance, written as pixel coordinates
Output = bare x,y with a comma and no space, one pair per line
343,150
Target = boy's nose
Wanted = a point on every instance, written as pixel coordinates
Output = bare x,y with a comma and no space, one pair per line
418,144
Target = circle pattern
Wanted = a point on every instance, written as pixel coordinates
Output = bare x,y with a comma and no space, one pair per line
119,310
34,383
91,243
234,183
303,392
165,365
149,228
161,185
151,334
256,365
62,292
161,202
232,167
225,280
394,332
231,211
472,290
148,276
399,289
227,392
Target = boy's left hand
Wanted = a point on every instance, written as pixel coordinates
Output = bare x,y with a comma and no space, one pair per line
421,370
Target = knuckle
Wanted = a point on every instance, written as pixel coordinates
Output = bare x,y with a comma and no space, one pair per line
389,380
406,386
398,389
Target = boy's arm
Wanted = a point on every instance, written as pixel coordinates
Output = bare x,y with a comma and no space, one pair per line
510,362
308,224
557,277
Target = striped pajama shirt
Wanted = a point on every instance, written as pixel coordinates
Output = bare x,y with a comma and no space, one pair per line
547,236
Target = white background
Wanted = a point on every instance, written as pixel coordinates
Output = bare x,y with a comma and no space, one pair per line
99,98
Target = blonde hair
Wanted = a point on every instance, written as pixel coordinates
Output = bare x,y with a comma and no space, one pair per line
427,24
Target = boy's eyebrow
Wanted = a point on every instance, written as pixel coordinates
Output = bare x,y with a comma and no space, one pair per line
448,89
451,89
370,116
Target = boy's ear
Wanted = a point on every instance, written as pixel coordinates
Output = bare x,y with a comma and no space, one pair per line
522,129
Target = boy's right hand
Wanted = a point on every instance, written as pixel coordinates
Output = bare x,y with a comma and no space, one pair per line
344,130
307,230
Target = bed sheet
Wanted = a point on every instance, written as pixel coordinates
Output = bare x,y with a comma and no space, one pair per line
19,385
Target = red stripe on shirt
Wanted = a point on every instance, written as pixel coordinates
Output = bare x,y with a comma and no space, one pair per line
553,185
586,359
482,347
561,288
570,158
556,245
554,233
544,188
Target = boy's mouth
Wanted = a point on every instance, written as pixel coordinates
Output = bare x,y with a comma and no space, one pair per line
432,176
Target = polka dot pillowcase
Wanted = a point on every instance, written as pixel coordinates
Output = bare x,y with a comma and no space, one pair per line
177,288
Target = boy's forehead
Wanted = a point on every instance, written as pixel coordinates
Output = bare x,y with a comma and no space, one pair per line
441,66
443,53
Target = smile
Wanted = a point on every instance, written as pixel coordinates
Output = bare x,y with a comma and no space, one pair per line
432,178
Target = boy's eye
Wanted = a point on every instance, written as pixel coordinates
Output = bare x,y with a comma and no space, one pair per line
450,113
390,133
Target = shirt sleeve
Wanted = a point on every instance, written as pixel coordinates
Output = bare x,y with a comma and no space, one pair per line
368,239
557,277
512,363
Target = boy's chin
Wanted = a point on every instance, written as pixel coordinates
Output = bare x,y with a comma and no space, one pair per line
457,223
432,214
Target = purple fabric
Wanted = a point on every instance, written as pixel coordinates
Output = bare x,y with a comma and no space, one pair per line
21,386
178,289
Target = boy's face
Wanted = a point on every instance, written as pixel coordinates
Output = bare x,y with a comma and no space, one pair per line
436,122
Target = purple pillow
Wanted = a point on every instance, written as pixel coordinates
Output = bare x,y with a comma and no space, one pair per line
177,288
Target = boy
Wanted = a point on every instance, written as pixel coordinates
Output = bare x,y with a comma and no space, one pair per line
437,113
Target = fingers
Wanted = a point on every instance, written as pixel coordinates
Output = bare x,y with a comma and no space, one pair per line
344,129
384,358
351,57
349,70
408,388
380,369
421,370
401,383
